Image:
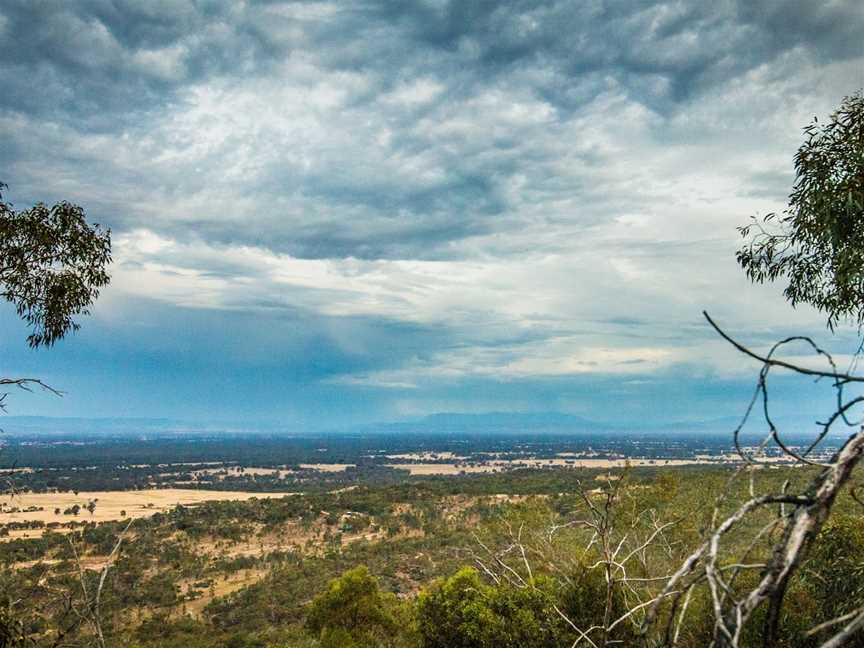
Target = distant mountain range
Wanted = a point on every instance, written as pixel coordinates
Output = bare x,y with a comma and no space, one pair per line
445,423
543,423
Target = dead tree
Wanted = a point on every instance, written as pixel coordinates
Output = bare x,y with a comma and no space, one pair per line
618,546
89,610
26,384
73,610
794,519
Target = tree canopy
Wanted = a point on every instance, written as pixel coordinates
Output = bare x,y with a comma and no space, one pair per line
464,612
352,612
52,265
817,243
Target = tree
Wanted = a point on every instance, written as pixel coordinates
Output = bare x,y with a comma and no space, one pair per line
750,581
52,265
12,633
817,244
464,612
353,611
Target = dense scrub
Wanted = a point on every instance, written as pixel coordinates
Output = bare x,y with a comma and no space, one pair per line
426,565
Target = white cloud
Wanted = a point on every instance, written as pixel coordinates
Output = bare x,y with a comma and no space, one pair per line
417,92
165,63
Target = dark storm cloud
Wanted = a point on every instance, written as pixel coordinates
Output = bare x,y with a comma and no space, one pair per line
117,66
97,62
687,44
65,58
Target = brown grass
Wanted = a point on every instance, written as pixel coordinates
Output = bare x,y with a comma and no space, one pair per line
222,586
109,505
500,465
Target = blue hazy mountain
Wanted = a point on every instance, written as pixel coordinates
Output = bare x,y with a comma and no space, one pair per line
540,423
445,423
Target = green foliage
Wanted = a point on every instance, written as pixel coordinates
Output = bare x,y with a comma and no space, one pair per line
52,265
352,606
818,242
161,631
463,612
832,578
836,564
584,601
12,633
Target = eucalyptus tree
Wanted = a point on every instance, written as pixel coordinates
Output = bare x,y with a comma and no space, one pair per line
817,243
52,265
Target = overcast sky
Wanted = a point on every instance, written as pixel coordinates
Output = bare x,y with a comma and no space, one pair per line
353,211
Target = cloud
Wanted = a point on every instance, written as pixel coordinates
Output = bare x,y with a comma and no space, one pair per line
505,191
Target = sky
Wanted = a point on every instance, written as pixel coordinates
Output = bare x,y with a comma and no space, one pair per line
325,213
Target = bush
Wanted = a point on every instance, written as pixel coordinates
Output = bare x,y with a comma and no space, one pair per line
463,612
352,607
